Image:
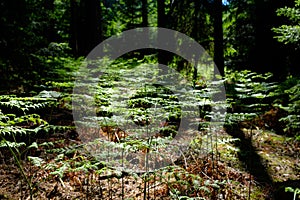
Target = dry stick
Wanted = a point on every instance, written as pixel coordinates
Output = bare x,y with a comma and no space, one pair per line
90,183
100,188
145,186
151,187
217,152
109,179
146,162
123,174
110,185
249,193
148,181
110,189
154,177
206,175
184,158
147,159
207,145
155,106
122,179
87,187
212,152
21,185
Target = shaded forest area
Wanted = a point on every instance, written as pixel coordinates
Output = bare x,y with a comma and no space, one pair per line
252,153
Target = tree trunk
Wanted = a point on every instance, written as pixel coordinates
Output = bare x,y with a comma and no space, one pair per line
161,24
267,54
195,35
218,36
50,31
161,16
74,22
144,13
85,26
164,57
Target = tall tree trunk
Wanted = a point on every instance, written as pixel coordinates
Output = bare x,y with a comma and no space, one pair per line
145,13
74,23
259,57
218,36
161,24
196,19
164,57
145,23
161,16
86,26
50,31
268,55
90,26
195,35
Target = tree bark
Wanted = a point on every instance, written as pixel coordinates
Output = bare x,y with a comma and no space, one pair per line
161,16
85,26
74,27
164,57
161,24
195,35
218,36
144,13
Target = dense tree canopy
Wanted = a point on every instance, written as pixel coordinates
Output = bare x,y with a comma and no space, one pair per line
32,27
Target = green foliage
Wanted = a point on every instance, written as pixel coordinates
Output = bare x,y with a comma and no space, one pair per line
68,159
24,121
36,161
19,118
189,185
295,191
249,91
252,95
18,150
253,92
38,49
25,105
60,17
239,33
54,63
38,56
289,34
126,14
13,145
291,104
195,22
229,21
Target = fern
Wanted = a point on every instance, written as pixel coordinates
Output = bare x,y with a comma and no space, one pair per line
13,145
25,105
293,109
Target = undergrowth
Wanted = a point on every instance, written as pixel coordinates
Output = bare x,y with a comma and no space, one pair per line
138,117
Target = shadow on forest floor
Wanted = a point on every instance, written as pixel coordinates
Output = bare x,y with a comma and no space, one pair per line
256,166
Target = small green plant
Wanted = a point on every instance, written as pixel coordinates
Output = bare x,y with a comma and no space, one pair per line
296,191
17,150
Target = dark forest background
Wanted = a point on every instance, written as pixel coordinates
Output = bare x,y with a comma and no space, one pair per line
239,34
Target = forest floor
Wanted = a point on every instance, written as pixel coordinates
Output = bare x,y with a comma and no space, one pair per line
245,162
259,171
